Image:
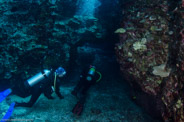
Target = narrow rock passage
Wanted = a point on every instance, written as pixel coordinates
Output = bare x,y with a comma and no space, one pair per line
107,101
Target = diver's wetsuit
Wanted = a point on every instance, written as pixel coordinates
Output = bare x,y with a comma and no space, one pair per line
80,91
44,86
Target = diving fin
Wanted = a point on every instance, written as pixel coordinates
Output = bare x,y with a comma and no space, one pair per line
78,108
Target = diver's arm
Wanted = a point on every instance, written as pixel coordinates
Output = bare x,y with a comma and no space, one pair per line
57,89
48,92
58,92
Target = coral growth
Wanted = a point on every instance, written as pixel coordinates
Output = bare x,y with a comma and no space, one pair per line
155,63
161,70
36,34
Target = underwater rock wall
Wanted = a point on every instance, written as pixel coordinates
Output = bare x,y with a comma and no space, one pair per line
36,34
150,54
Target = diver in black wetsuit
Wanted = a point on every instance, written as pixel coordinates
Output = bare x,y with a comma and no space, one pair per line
87,79
42,82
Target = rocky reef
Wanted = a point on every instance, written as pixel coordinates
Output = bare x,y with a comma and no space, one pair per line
150,54
40,34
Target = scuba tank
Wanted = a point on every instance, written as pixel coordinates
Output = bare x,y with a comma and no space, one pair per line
37,78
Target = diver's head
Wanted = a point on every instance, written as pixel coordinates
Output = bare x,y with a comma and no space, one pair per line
91,73
92,70
60,72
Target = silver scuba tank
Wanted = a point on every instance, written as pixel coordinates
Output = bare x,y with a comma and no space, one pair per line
38,77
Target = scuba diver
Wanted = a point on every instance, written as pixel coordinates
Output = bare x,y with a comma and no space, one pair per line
41,83
87,79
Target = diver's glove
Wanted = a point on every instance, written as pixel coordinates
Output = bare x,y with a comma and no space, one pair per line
78,108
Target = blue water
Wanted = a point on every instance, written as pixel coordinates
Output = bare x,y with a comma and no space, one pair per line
87,7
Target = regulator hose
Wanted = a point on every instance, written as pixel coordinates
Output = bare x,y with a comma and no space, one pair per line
55,81
100,76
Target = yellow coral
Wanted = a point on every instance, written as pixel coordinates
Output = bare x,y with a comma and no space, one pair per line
179,104
140,45
120,30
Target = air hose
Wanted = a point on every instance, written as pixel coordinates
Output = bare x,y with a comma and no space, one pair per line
55,81
100,76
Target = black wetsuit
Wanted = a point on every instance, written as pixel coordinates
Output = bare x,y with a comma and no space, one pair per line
44,86
80,91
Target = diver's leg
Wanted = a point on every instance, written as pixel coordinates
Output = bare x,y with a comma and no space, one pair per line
77,88
35,95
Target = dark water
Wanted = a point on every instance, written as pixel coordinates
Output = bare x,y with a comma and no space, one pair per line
113,85
112,95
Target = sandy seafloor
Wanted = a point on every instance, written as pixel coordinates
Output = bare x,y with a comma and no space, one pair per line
107,101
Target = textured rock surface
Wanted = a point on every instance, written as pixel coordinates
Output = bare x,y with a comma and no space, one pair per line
153,39
40,34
